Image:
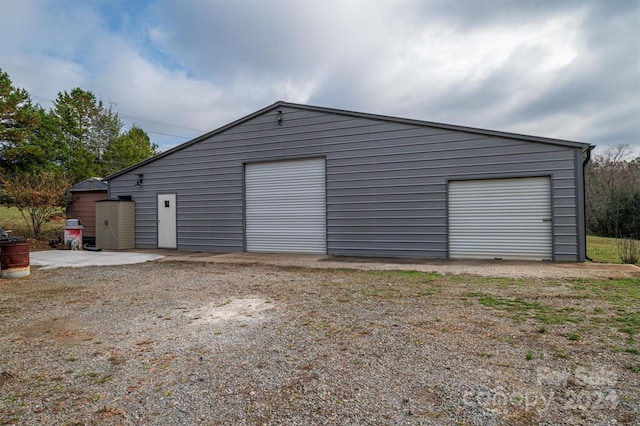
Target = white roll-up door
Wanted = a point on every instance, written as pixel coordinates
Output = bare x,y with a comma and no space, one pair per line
500,219
286,207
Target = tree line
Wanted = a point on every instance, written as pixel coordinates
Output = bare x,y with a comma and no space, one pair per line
613,193
44,152
79,137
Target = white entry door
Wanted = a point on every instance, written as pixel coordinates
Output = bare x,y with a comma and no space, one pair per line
167,229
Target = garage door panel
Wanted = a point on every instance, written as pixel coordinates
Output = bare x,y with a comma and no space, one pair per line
285,207
500,218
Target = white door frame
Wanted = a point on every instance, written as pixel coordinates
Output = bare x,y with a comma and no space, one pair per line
167,231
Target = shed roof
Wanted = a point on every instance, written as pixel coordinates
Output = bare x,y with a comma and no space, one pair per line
91,184
281,104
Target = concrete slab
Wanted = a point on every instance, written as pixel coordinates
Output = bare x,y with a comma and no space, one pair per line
51,259
512,269
488,268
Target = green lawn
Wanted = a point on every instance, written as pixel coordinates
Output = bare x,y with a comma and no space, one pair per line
11,219
603,250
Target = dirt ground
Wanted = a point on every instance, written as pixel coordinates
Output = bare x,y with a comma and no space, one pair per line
182,342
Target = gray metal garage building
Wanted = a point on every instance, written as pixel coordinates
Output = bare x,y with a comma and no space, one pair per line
305,179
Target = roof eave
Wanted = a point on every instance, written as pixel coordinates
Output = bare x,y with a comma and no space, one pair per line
562,142
453,127
191,142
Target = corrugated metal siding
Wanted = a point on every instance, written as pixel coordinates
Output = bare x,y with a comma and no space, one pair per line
371,165
286,207
500,218
91,184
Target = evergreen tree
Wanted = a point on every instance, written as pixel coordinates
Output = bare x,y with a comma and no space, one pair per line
18,120
128,149
79,137
88,128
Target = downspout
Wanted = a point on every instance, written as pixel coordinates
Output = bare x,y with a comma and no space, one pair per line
584,197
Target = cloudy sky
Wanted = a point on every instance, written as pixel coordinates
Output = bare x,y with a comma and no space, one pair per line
556,68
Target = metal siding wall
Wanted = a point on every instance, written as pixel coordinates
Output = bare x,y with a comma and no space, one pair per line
371,166
286,207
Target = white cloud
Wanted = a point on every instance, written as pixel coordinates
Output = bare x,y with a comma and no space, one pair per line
561,69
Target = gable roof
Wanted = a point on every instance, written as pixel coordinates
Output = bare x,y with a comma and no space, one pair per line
91,184
378,117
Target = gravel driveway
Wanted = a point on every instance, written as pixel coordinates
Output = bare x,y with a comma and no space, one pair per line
213,343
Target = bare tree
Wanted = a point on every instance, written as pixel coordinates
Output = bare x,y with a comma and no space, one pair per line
613,193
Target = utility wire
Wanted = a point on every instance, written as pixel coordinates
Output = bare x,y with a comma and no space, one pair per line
141,119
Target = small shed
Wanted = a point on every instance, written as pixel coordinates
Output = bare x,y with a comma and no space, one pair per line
82,204
305,179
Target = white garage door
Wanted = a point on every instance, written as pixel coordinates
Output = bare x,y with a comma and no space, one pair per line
286,207
500,218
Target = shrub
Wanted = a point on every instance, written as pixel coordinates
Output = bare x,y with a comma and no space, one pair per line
629,250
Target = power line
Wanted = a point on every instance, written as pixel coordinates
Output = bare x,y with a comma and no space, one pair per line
167,134
177,126
141,119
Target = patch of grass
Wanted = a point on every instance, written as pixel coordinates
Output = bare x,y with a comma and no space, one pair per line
573,336
381,292
624,296
523,309
104,379
502,281
542,329
516,304
426,292
7,401
620,291
561,316
603,250
534,354
561,354
412,276
633,367
630,322
397,285
11,219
